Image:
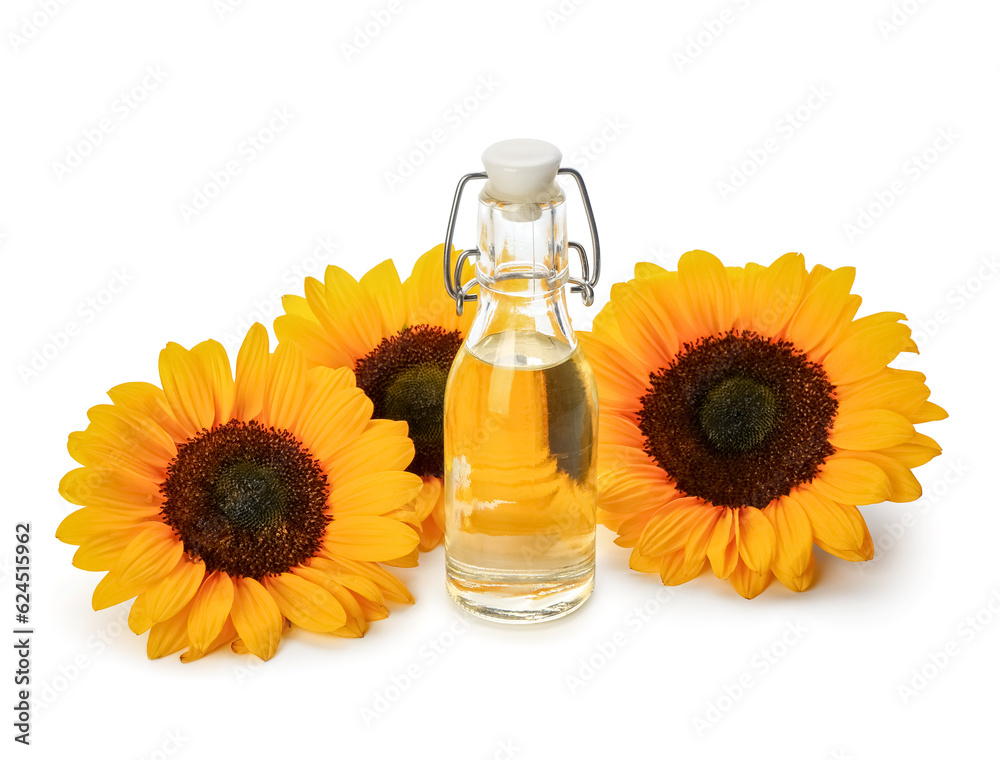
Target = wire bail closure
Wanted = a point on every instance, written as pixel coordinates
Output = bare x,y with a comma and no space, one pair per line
453,274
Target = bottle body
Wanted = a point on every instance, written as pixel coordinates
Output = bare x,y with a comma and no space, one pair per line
520,432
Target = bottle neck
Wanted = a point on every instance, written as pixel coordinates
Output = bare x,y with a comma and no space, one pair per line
522,271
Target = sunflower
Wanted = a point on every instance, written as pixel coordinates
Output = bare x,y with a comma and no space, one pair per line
745,413
400,338
229,508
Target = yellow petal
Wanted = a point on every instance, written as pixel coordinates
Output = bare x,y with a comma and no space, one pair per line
96,451
722,550
823,303
800,582
330,421
900,391
251,374
620,385
646,269
149,401
138,619
427,301
169,636
747,583
669,528
210,609
868,429
285,387
257,619
870,344
673,570
356,620
917,451
371,538
317,345
384,291
102,550
167,597
149,556
110,592
133,432
376,449
777,294
705,284
651,315
333,572
698,541
865,552
87,523
633,489
793,537
832,524
187,389
227,634
306,604
850,479
643,564
928,412
393,589
339,421
375,494
219,374
755,540
903,485
111,490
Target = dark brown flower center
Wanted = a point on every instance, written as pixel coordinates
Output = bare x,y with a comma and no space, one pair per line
739,420
405,377
246,499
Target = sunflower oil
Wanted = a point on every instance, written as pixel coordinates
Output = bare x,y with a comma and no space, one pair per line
520,408
520,477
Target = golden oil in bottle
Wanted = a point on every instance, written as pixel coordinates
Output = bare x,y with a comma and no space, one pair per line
520,412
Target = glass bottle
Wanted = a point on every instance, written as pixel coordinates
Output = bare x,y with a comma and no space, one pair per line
520,414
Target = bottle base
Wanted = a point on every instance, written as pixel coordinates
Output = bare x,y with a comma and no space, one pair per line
519,597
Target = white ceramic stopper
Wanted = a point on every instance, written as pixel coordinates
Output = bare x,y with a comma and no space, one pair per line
522,170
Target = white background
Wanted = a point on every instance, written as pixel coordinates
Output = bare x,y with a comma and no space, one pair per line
657,103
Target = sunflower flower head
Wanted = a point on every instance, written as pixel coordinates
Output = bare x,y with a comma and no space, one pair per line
400,339
745,414
229,508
